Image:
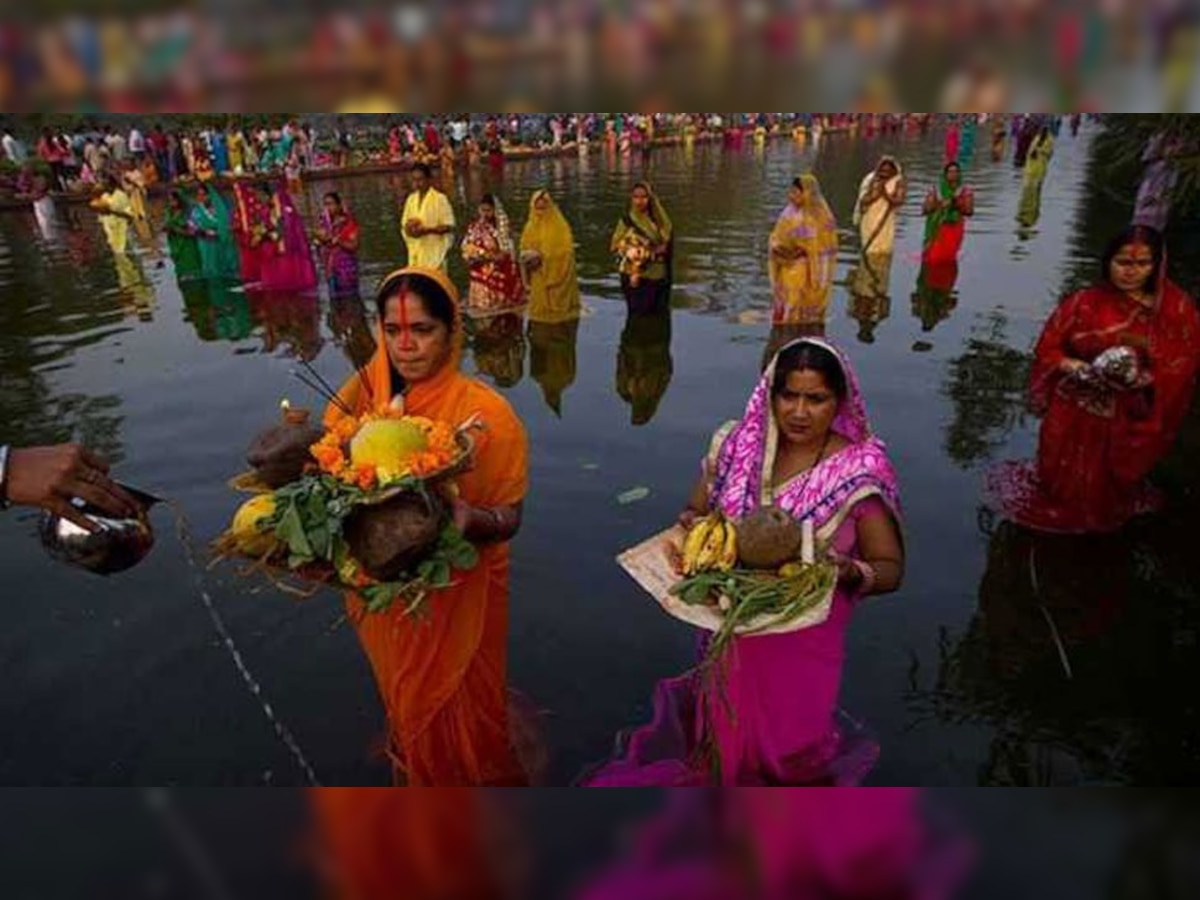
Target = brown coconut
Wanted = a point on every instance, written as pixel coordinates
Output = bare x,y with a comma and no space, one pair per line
768,538
280,453
391,538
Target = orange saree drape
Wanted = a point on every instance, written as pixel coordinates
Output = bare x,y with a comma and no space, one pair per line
443,678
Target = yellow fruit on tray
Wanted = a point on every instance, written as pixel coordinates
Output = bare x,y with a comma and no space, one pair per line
387,444
790,570
246,534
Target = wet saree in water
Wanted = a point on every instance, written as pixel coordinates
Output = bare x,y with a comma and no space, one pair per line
287,263
250,225
1095,451
753,726
945,226
548,252
339,253
495,278
802,281
443,680
115,210
643,245
214,233
875,210
181,240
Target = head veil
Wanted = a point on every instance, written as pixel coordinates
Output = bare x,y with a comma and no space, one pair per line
371,387
744,457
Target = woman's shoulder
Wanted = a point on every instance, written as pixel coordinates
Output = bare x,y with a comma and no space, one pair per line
489,402
501,428
1089,296
717,441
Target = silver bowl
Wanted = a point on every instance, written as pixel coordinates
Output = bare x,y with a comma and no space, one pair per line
119,544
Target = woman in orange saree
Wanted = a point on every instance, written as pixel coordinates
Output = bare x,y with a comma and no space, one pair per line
443,678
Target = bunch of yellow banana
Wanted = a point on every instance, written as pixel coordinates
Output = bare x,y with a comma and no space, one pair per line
711,545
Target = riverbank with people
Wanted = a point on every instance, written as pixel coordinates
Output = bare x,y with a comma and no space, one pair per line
74,161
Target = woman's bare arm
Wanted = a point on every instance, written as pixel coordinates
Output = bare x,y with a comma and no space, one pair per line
880,547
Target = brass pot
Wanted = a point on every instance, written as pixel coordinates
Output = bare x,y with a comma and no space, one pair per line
119,544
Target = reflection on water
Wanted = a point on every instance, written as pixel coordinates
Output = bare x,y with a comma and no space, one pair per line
350,329
934,299
45,320
102,348
45,212
644,365
217,310
987,386
870,302
289,323
136,293
552,359
1071,672
498,346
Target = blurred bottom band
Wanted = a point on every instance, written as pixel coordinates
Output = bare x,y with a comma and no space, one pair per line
707,844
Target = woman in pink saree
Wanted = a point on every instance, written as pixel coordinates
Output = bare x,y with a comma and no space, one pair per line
286,263
804,445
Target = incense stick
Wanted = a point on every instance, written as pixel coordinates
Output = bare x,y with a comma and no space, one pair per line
317,375
332,398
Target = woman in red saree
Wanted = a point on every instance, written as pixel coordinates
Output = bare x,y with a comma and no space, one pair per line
490,254
337,242
947,207
250,224
443,680
1113,375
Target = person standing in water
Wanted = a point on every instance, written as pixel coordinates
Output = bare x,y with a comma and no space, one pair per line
946,208
442,679
427,221
880,194
642,242
803,257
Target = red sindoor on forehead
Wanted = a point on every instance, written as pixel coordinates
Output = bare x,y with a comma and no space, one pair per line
404,311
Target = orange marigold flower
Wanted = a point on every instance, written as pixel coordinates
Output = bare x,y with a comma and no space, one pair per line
364,477
329,457
344,429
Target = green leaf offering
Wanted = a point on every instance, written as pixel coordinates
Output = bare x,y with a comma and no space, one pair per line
309,518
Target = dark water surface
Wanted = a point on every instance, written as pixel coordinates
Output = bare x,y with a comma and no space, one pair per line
985,668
